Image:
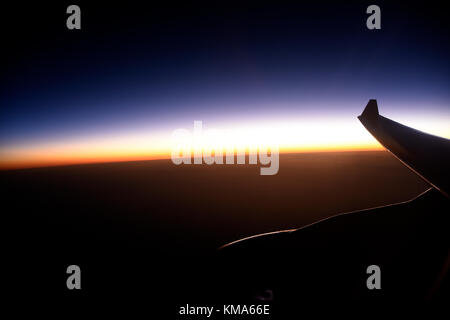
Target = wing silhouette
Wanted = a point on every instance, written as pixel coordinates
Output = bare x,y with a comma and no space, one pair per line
426,155
295,264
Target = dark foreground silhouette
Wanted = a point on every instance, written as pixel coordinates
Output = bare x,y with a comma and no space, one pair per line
148,233
326,261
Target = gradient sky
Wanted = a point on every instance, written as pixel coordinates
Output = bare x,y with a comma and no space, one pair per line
135,72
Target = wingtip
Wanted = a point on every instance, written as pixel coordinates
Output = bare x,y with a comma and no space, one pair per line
370,112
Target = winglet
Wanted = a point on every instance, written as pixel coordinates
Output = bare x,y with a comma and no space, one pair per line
370,113
426,155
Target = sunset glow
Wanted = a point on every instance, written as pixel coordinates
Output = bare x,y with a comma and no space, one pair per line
290,136
98,98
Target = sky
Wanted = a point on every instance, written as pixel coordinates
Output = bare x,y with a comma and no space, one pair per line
135,72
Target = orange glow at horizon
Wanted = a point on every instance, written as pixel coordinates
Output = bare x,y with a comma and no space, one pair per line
290,136
49,161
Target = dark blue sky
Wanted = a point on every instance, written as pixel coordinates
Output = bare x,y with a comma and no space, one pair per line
137,65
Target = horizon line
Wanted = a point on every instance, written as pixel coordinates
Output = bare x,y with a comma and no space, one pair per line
38,165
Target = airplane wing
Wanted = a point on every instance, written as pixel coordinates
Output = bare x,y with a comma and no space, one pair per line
426,155
325,261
